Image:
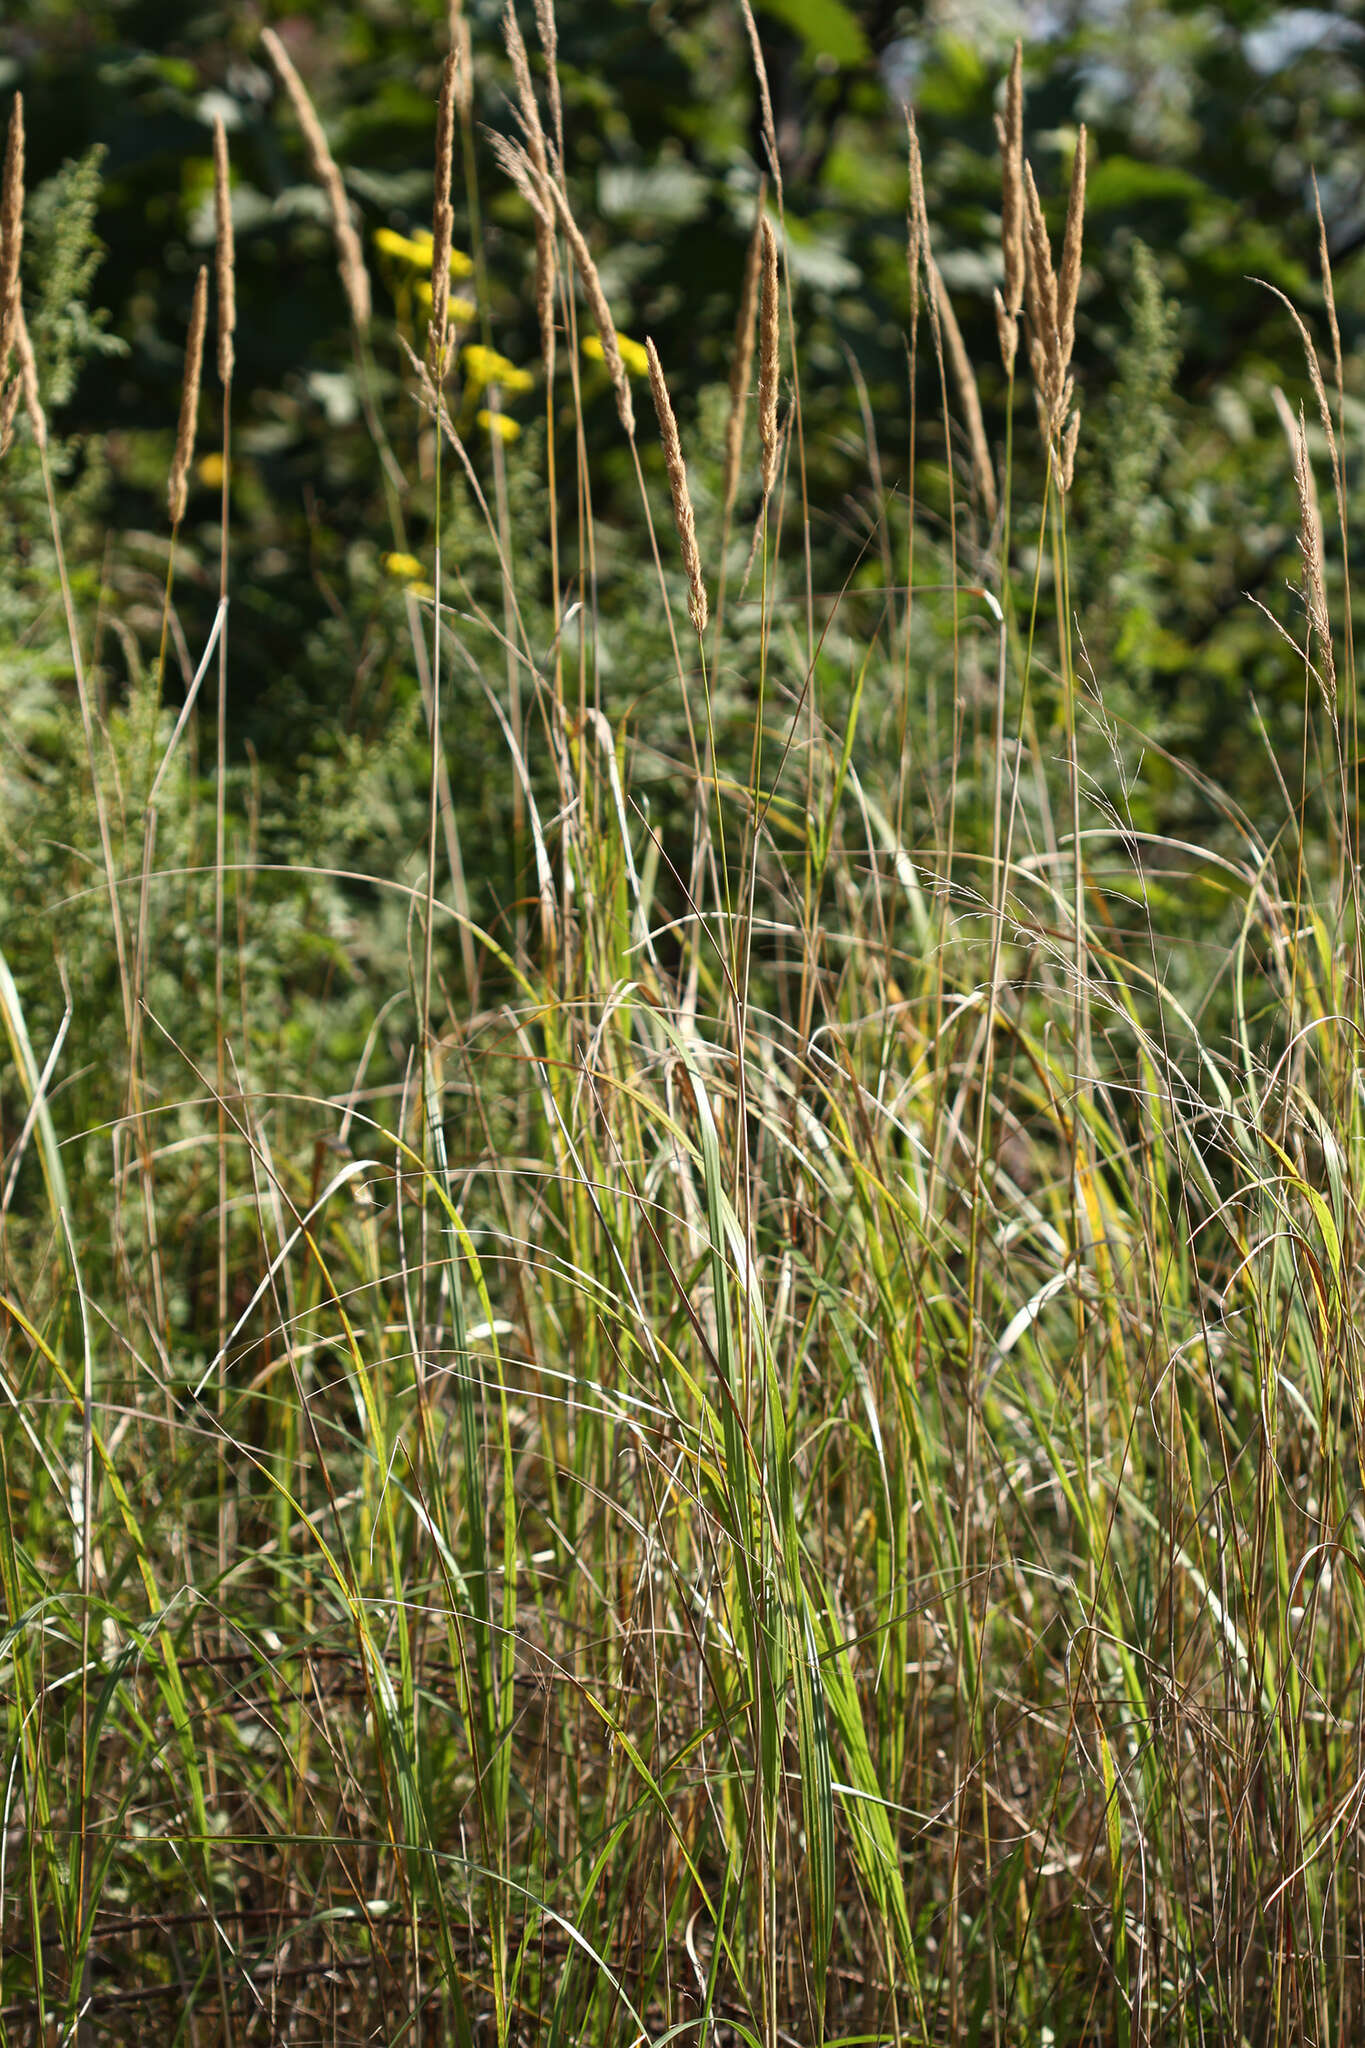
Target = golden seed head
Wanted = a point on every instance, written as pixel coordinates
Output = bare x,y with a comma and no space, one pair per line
769,357
442,221
741,368
350,261
1069,279
1012,204
683,517
177,490
11,231
225,259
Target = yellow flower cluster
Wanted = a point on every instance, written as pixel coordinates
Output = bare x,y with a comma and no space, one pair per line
484,366
459,309
406,569
418,249
498,424
632,355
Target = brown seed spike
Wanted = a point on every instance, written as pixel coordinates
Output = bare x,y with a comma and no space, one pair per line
11,232
1011,133
769,358
442,221
350,259
1068,282
683,517
177,491
225,259
741,369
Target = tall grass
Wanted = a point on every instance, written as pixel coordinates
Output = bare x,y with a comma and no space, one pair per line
779,1464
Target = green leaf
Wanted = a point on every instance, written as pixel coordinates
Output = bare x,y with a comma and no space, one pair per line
826,27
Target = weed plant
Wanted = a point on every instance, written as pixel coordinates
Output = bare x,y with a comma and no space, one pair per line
711,1390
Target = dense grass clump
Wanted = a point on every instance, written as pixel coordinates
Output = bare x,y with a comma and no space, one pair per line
710,1391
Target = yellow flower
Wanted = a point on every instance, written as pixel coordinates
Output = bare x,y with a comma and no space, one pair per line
632,355
485,366
211,471
499,424
406,568
414,249
460,309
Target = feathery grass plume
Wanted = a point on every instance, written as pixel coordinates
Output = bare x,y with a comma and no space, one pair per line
683,517
1051,305
11,232
28,378
535,143
1010,130
914,221
1312,549
350,261
462,50
769,355
177,490
1328,288
765,100
548,30
442,222
1069,277
741,369
965,378
224,255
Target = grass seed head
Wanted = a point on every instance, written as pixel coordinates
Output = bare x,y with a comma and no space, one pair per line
742,366
1069,279
177,490
1012,202
11,232
225,260
442,222
597,300
683,517
350,261
769,358
539,155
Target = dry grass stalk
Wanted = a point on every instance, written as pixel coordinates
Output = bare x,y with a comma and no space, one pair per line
764,100
965,378
741,369
224,256
1328,288
177,490
683,517
350,259
11,233
28,379
535,143
597,300
442,223
769,357
9,406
